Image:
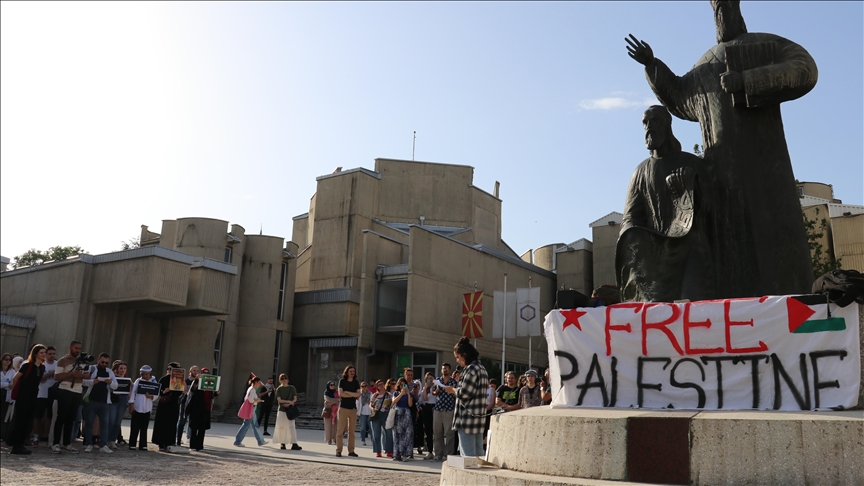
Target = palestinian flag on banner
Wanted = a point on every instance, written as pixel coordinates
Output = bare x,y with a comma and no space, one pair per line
472,314
802,308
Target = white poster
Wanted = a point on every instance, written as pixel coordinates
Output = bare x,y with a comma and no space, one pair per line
498,324
528,312
769,353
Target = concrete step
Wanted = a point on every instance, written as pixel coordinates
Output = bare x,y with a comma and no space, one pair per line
504,477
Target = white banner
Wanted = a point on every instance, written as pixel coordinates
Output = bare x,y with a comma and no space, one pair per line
528,312
770,353
498,324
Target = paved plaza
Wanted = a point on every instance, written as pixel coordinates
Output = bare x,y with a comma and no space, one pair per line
220,463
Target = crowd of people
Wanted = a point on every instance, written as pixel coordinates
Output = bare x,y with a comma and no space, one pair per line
436,415
78,395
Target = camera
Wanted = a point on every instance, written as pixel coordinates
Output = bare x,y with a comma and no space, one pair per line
83,361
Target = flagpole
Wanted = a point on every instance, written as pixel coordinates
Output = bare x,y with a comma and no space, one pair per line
475,282
529,329
504,334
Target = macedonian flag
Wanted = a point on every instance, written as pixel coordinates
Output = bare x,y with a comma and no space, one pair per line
472,314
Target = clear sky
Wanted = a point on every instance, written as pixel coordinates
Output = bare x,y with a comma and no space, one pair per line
121,114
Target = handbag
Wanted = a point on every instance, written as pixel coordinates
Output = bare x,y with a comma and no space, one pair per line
326,413
292,412
391,418
247,410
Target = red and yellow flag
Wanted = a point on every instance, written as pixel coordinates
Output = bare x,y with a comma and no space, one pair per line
472,314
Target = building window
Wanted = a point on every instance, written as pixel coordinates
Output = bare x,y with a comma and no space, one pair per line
229,252
281,310
217,348
392,303
277,351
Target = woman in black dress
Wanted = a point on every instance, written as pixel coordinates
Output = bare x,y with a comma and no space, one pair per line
167,412
198,413
27,382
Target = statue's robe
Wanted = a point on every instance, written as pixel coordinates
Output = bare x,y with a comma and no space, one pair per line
664,248
761,243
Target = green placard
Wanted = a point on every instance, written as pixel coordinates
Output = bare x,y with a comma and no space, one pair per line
209,383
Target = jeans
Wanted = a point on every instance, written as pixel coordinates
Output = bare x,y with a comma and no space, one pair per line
68,404
115,418
376,426
76,424
241,434
93,410
365,427
181,424
470,444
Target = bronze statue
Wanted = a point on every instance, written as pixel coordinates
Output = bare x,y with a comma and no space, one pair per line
664,232
734,91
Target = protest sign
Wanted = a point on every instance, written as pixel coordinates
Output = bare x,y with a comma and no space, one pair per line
209,382
178,380
775,353
148,387
124,386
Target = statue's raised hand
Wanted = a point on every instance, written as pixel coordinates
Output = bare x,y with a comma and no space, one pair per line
639,50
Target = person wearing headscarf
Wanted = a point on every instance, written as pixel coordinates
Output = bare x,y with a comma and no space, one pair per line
167,412
331,401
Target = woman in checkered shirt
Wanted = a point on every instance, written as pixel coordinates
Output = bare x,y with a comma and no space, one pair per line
469,419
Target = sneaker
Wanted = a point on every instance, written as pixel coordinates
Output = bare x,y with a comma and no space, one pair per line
122,442
56,449
377,454
283,447
20,450
295,447
264,443
71,449
437,459
398,458
106,449
408,458
352,454
266,433
35,442
88,448
428,456
389,454
363,442
131,448
338,454
239,444
112,445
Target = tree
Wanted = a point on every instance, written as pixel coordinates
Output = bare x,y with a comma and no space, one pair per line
823,261
34,257
699,151
131,243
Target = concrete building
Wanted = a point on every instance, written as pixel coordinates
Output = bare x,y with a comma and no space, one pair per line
842,225
196,293
386,256
605,231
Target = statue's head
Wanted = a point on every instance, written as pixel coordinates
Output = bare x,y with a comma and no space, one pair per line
728,19
657,122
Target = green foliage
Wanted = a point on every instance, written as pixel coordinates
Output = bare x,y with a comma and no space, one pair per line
35,257
823,260
492,368
131,243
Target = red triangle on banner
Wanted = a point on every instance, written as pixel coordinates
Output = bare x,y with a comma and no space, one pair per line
798,313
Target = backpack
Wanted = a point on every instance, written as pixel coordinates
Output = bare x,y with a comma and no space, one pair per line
841,287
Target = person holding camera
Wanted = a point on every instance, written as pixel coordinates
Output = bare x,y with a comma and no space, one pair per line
403,429
72,369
